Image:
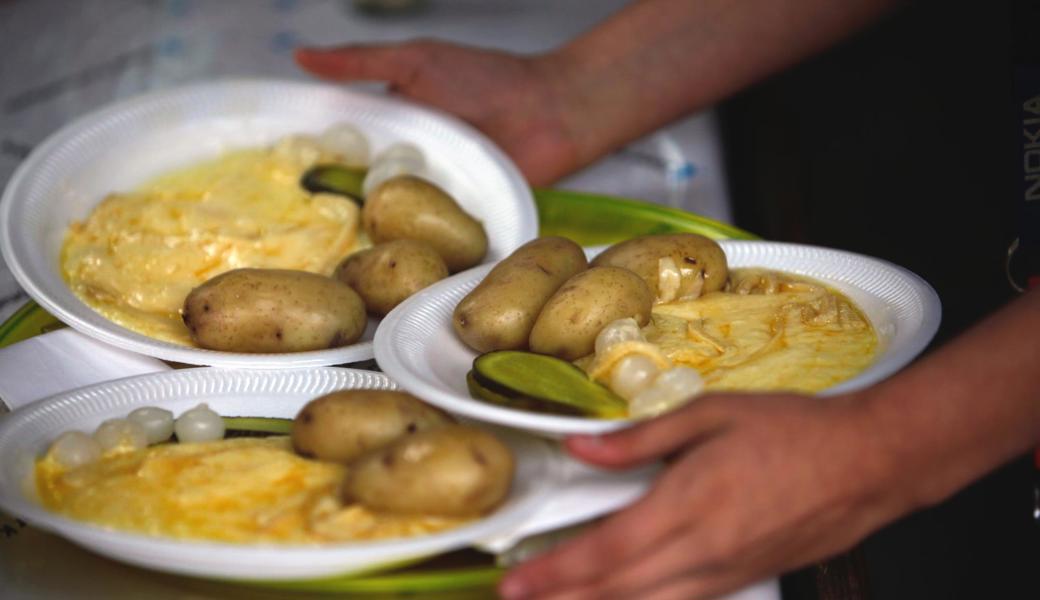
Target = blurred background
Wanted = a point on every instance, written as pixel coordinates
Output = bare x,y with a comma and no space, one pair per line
63,59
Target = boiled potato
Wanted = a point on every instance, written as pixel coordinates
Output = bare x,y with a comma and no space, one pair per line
408,207
457,470
385,274
273,310
500,312
572,318
341,426
674,265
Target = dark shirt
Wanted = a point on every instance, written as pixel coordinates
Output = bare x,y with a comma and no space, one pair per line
900,144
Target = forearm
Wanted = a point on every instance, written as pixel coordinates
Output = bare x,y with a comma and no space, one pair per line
965,409
657,60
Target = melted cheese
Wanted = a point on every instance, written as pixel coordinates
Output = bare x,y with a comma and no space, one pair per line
243,490
765,331
138,254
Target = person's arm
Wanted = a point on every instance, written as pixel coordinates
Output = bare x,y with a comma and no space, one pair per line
966,408
658,60
652,62
762,484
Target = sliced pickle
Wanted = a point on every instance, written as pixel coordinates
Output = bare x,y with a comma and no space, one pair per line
235,427
541,383
334,179
480,392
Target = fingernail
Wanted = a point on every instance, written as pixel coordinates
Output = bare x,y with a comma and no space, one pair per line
512,589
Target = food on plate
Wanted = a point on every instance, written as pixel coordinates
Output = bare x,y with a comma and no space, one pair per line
341,426
242,490
676,266
294,205
397,159
357,183
767,330
408,207
200,424
650,388
259,490
74,449
120,433
500,312
454,471
388,273
544,383
568,324
334,179
695,324
143,427
157,422
273,310
764,331
348,143
138,253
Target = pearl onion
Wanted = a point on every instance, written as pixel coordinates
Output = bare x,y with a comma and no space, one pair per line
402,151
120,434
631,374
74,449
672,388
348,142
199,424
692,284
621,330
668,279
302,149
382,170
157,422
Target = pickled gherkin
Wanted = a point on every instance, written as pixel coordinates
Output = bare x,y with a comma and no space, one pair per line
334,179
255,426
541,383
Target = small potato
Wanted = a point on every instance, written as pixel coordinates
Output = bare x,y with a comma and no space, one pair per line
385,274
586,303
450,471
408,207
500,312
341,426
273,310
674,265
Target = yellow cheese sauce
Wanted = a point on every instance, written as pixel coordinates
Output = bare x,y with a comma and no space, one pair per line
764,331
138,254
244,490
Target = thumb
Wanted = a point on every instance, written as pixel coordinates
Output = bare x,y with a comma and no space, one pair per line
358,62
650,440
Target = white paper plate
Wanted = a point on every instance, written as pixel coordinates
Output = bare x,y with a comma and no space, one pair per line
418,348
121,146
26,433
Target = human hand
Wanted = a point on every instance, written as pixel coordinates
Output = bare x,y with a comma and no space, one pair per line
514,100
758,485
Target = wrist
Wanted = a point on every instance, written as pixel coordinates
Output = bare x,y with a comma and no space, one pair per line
916,464
565,75
878,482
